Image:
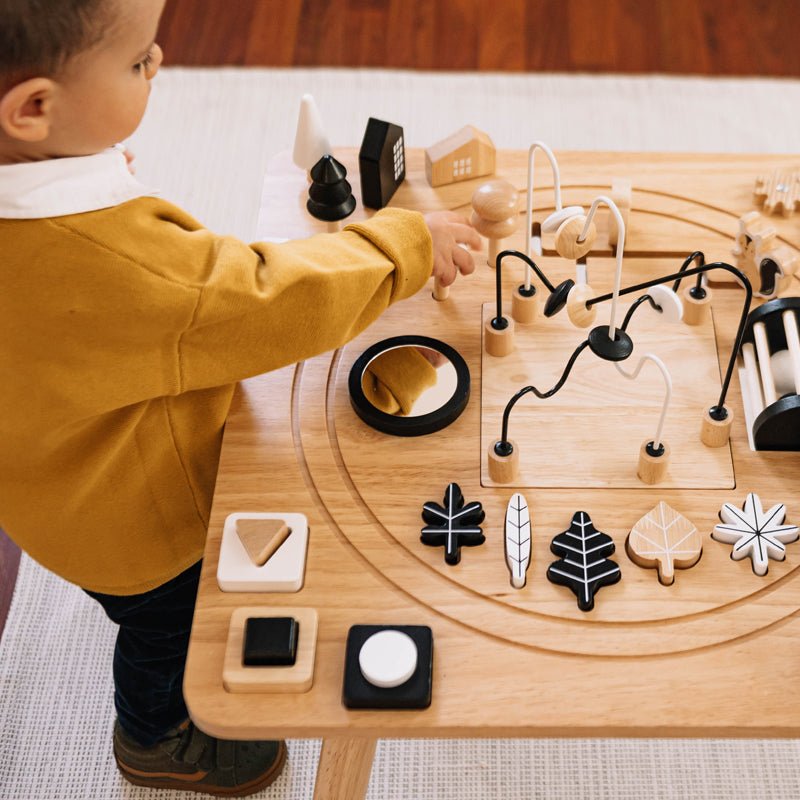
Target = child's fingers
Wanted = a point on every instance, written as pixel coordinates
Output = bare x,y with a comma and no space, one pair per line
454,216
466,234
463,259
446,272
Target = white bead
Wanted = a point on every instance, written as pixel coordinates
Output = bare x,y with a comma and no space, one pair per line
553,222
671,305
388,658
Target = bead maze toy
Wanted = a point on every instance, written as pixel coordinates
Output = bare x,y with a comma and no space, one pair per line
575,234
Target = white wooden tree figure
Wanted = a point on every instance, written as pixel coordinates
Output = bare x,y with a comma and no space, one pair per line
310,142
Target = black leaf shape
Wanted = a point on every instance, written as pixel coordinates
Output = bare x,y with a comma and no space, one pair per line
452,524
584,566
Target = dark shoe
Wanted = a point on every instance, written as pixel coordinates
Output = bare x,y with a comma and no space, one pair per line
191,760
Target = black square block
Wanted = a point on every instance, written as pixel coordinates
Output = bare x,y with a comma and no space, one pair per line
358,692
270,641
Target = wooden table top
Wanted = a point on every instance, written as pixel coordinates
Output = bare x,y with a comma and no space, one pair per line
711,655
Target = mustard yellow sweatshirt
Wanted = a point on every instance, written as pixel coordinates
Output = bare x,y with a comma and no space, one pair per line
122,334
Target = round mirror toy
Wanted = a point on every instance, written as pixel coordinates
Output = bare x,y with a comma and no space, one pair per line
409,385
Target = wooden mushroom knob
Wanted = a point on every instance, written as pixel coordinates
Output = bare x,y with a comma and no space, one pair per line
495,214
567,244
581,315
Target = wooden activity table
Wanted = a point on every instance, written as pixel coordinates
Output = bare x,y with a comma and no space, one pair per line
713,655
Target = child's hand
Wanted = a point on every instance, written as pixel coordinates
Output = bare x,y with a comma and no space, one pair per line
448,231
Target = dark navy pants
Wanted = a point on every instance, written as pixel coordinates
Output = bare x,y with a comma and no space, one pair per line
150,655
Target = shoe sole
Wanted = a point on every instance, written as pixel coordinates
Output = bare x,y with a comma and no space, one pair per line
241,790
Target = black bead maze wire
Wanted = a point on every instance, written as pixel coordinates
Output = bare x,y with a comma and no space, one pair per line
697,291
718,412
645,298
499,322
504,447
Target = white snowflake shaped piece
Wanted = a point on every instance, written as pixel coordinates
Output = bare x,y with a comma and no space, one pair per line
754,533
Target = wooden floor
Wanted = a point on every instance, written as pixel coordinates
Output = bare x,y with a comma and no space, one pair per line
707,37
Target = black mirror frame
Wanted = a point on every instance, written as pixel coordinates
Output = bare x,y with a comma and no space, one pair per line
409,426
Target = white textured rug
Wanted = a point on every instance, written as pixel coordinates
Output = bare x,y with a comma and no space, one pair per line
205,143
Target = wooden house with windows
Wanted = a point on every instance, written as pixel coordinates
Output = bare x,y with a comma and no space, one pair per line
466,154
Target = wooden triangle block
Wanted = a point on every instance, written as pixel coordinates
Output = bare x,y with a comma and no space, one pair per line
262,537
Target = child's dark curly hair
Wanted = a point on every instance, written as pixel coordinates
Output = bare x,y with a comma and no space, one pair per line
38,37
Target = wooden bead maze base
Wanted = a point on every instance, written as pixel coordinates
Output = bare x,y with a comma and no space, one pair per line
589,433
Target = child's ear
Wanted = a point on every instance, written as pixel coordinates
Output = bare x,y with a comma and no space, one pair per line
26,110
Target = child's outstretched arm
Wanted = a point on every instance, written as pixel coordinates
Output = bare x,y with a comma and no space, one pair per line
194,310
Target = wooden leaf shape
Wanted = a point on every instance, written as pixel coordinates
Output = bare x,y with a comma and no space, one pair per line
754,532
452,524
261,537
518,539
583,566
665,540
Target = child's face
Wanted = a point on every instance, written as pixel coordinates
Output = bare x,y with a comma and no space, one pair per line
101,96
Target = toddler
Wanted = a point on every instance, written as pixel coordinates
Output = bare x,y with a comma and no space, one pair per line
125,325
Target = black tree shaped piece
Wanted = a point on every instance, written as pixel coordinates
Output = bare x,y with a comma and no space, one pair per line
330,196
584,566
452,524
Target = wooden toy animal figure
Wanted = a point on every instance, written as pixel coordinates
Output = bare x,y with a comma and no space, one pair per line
768,264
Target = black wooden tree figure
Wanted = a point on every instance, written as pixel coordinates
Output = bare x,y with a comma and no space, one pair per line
330,196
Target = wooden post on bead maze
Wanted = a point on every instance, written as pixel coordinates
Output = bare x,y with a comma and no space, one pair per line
504,469
696,304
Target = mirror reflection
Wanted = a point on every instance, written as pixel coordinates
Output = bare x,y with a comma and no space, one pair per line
409,381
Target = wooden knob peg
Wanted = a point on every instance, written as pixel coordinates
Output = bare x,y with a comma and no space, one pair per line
580,315
440,292
498,343
495,214
696,310
653,464
715,432
567,244
504,469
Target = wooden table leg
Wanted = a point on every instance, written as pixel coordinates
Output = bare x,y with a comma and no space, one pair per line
344,769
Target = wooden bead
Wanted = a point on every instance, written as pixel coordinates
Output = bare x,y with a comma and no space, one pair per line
504,469
716,433
580,315
567,244
652,469
496,200
524,309
498,343
695,312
